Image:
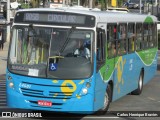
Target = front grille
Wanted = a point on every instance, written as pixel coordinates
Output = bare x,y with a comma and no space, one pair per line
52,94
46,85
31,92
53,91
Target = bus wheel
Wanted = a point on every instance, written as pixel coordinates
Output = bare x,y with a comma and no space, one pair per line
138,91
107,100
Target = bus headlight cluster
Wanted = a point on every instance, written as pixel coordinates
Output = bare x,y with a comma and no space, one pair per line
11,84
87,85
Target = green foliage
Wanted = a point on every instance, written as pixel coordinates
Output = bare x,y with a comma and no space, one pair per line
34,3
120,3
102,4
23,6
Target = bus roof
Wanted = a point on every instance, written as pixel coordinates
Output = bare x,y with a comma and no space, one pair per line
101,16
158,26
124,10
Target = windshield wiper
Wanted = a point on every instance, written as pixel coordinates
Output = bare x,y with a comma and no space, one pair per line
67,39
55,59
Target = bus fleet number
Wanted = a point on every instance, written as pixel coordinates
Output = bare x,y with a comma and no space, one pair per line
31,16
23,85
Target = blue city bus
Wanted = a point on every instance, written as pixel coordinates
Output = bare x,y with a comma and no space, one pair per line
78,61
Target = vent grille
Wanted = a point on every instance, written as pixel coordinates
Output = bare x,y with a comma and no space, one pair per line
51,94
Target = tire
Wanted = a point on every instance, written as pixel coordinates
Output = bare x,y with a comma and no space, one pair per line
107,101
138,91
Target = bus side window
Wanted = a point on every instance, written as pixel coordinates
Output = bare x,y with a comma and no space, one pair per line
145,35
131,37
122,38
111,40
150,37
111,49
138,36
154,35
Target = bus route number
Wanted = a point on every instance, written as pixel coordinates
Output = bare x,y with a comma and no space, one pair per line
31,16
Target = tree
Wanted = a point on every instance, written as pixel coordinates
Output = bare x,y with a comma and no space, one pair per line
82,2
120,3
103,4
44,2
93,3
35,3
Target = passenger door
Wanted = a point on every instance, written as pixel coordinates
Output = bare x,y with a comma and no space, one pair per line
100,59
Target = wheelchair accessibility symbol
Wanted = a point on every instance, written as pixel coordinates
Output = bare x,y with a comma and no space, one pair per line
52,67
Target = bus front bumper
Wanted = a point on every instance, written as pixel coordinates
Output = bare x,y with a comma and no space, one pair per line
81,104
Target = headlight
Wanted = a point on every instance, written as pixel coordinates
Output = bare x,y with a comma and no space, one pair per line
84,90
11,84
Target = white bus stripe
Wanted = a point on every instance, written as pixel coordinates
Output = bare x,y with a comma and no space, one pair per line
145,63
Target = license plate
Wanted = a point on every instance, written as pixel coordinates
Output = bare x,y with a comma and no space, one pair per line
44,103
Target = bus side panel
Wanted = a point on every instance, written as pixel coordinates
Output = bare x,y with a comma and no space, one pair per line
100,89
124,76
127,71
150,69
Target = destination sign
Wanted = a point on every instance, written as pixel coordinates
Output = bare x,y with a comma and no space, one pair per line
55,18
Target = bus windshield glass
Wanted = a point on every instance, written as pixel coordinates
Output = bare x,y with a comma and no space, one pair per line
51,52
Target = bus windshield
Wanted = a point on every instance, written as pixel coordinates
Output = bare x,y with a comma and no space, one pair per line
57,53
